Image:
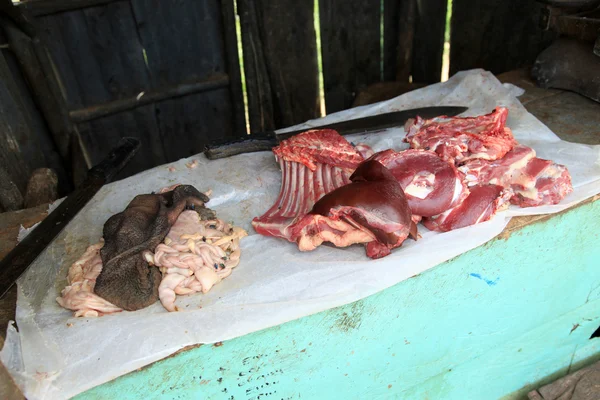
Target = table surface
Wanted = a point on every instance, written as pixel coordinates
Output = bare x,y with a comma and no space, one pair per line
572,117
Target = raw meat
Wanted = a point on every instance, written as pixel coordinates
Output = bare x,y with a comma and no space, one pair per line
373,206
312,164
459,139
533,180
481,205
431,185
196,254
499,172
324,146
79,295
541,182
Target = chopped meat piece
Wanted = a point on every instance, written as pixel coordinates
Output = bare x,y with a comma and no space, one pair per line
481,205
459,139
313,230
324,146
430,184
312,164
374,204
81,280
498,172
541,182
533,180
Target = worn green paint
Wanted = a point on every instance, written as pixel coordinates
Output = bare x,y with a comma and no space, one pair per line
445,334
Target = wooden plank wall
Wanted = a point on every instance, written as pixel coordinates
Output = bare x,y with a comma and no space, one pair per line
109,54
26,142
428,42
497,35
99,58
280,58
351,49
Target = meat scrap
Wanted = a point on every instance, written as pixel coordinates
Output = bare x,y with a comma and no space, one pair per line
541,182
364,149
498,172
458,139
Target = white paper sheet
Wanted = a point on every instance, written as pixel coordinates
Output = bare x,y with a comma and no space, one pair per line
56,356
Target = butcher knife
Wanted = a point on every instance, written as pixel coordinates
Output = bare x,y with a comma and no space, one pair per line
267,140
20,258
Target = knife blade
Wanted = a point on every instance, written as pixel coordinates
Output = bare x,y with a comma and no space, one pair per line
265,141
27,251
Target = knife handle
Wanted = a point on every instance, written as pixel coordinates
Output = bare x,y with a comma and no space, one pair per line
114,162
249,144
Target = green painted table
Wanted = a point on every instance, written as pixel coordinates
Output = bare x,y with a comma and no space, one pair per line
492,323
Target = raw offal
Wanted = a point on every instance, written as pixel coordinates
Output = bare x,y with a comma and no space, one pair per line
373,206
196,255
320,162
312,164
459,139
430,184
198,252
79,295
126,280
533,180
483,202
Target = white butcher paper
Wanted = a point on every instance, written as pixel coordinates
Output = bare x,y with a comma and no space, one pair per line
54,355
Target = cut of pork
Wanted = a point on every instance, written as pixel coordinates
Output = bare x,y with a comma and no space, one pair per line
481,205
533,180
431,185
312,164
459,139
